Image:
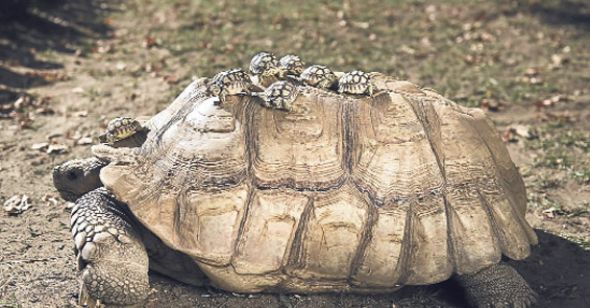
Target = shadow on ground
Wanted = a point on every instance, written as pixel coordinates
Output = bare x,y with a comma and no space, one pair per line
565,12
29,27
558,270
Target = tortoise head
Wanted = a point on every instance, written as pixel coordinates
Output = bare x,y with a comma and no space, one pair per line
74,178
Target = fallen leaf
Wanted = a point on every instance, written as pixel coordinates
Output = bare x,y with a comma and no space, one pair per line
171,79
17,204
514,132
149,42
491,105
50,201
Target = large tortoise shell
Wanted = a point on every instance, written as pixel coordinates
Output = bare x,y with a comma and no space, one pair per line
358,193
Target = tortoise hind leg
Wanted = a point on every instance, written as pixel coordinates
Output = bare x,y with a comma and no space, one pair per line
112,259
497,286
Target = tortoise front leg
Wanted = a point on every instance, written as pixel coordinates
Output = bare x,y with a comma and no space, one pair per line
497,286
111,257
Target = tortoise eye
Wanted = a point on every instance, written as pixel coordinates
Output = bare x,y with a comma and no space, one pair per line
72,175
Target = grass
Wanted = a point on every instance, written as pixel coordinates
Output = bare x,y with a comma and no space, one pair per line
464,49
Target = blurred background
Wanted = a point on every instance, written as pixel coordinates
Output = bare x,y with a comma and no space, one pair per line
67,67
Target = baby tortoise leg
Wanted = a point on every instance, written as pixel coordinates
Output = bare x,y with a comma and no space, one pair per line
111,257
497,286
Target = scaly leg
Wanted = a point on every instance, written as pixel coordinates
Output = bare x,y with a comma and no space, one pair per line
497,286
112,259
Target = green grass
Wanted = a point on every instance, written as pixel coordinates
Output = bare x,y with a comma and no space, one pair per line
463,49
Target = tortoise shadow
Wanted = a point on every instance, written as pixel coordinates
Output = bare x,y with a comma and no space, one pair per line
30,27
558,270
566,12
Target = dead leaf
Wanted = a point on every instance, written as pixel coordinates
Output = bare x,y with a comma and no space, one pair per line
23,119
51,76
50,201
17,204
103,46
550,212
149,42
171,79
491,105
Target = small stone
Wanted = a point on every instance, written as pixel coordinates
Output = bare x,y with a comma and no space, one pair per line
84,141
57,149
81,114
120,66
70,205
525,131
41,146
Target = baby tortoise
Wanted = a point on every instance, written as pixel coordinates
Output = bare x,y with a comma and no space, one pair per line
355,82
319,76
266,68
280,95
230,82
292,64
120,128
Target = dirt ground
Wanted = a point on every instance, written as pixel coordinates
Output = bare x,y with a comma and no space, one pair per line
66,68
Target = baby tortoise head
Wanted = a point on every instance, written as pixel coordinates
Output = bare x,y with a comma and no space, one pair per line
265,64
230,82
355,82
120,128
280,95
292,64
319,76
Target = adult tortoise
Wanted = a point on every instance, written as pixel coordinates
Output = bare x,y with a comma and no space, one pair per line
342,193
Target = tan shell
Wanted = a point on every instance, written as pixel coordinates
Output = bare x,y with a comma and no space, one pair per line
343,194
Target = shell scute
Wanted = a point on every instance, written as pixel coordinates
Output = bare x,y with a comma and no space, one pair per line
332,236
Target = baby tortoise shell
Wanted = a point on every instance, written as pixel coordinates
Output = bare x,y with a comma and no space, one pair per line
264,64
292,64
280,95
230,82
120,128
355,82
319,76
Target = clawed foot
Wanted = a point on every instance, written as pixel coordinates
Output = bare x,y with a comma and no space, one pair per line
498,286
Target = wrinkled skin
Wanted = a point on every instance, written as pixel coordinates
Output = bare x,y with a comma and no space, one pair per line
74,178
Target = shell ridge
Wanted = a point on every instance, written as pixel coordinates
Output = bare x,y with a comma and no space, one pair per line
426,126
525,227
296,251
240,234
366,237
406,248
